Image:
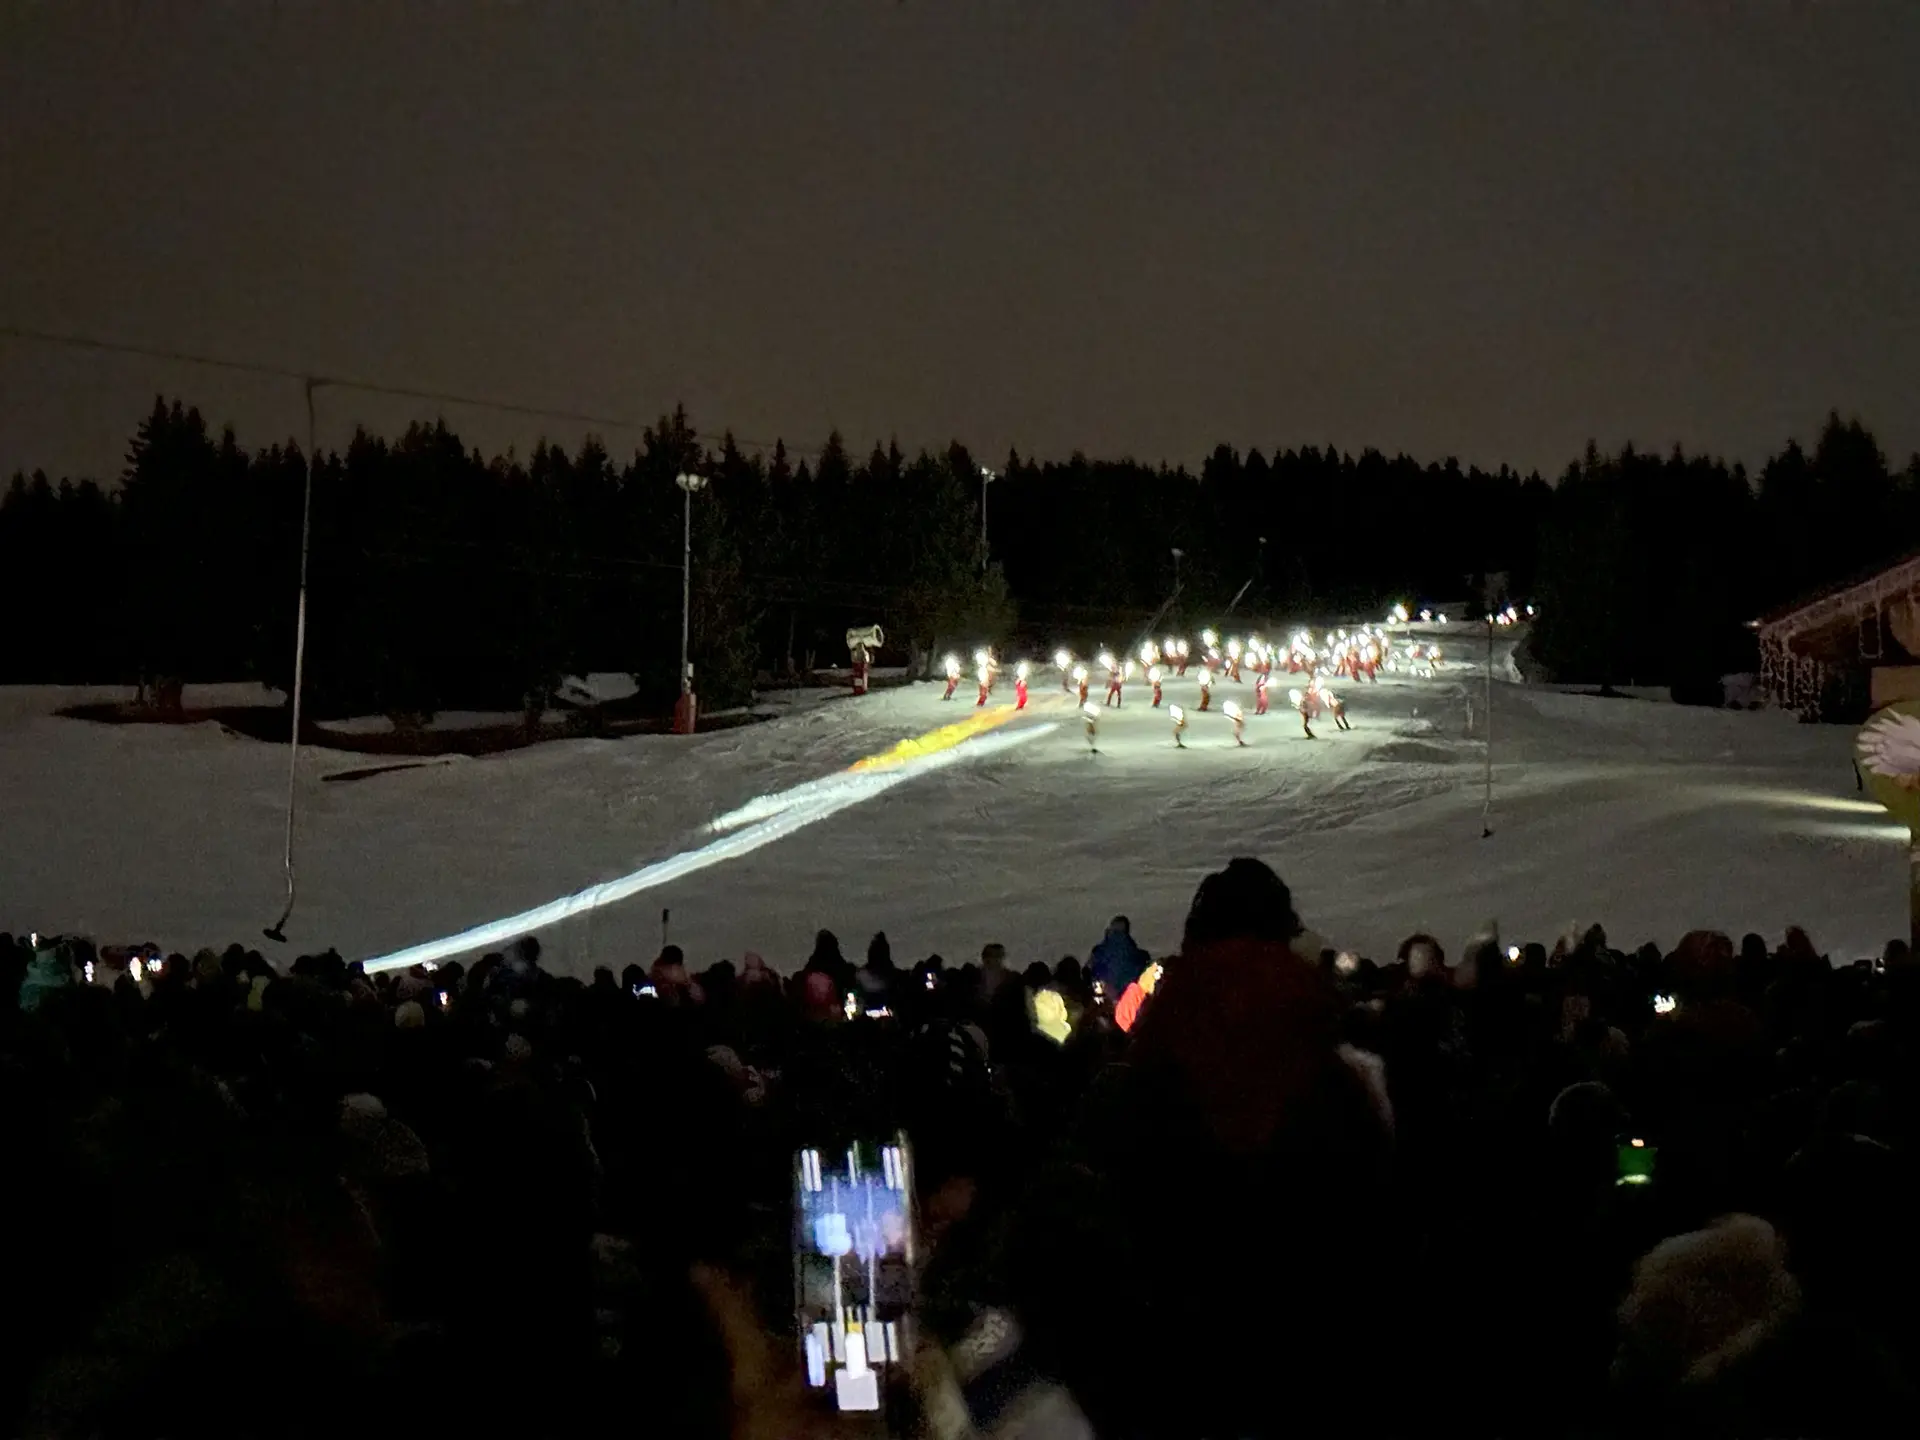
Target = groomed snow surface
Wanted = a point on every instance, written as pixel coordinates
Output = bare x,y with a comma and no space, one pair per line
1649,818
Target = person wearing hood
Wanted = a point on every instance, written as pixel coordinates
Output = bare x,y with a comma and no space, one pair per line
877,977
50,969
1117,961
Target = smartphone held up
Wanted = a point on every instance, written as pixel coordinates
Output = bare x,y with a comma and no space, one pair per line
1635,1161
853,1254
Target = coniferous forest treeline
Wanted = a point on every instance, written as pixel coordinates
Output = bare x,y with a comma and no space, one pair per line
442,578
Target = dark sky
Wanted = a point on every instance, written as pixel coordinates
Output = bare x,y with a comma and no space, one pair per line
1485,229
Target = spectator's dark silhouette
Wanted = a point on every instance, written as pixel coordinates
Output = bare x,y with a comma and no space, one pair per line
1117,961
1208,1176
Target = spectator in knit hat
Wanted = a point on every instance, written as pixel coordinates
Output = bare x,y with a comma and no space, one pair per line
1235,1129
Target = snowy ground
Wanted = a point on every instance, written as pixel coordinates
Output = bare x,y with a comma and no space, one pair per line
1650,818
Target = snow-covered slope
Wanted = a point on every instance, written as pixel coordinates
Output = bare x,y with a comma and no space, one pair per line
1649,818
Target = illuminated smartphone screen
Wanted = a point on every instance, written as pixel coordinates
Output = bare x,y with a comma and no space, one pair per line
853,1269
1636,1159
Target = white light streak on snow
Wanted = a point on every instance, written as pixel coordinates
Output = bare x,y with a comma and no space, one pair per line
1806,800
1889,833
794,810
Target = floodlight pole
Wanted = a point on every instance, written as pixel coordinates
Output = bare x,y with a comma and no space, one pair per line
1486,808
987,477
684,708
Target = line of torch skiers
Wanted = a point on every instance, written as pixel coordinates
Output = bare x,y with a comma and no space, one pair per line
1357,655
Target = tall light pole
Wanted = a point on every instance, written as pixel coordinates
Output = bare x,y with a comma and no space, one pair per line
987,477
1178,553
1486,807
278,930
683,718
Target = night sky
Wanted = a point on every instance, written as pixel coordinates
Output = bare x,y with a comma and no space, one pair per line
1491,230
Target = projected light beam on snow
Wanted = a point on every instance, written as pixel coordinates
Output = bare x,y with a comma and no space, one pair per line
781,815
905,754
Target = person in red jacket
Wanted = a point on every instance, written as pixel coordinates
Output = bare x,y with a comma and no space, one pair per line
1260,693
1020,686
1135,996
953,676
1153,679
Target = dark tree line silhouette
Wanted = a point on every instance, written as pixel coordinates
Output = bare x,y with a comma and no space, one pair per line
442,578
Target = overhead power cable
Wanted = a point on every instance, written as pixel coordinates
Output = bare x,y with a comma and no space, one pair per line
373,387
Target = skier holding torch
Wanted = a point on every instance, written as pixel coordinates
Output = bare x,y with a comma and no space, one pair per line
1336,707
953,676
1153,679
1080,680
1179,718
1020,686
1233,713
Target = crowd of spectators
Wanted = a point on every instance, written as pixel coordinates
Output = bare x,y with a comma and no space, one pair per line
1517,1191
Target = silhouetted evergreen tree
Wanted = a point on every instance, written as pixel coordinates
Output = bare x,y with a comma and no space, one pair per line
444,579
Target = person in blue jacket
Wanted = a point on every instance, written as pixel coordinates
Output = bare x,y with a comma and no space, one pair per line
1117,961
